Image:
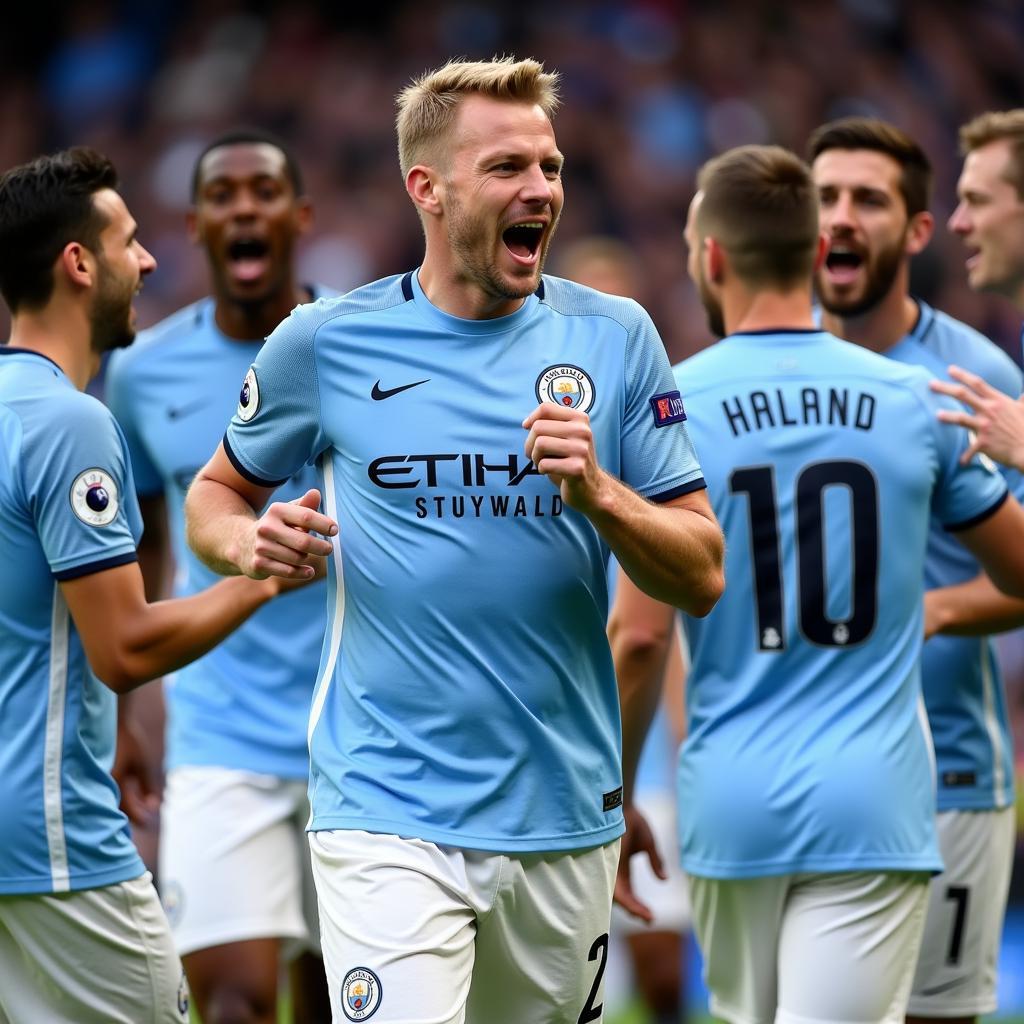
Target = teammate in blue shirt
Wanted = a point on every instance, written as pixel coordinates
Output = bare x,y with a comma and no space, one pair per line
990,219
237,757
806,786
470,421
82,935
874,183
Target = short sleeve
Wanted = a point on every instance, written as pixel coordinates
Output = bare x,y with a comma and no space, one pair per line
966,495
80,490
658,457
276,429
119,398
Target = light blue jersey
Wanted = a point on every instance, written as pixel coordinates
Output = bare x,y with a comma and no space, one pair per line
467,695
244,705
963,687
807,745
69,509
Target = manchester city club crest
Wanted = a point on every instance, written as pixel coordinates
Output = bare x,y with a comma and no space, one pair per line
566,385
360,994
249,397
94,497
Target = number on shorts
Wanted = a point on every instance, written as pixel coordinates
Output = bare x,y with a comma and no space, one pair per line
958,894
598,950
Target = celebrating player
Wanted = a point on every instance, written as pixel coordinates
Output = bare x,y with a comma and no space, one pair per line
805,783
464,735
874,183
237,757
82,935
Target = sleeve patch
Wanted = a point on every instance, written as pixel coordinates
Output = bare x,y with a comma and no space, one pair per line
249,397
94,497
668,408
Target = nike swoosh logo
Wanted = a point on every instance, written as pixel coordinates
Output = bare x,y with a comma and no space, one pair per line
379,395
175,412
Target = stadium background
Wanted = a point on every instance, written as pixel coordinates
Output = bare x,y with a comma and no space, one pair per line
650,90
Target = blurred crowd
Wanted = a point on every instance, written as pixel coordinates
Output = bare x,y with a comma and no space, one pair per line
650,90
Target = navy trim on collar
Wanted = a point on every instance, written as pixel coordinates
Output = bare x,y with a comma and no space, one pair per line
407,286
14,350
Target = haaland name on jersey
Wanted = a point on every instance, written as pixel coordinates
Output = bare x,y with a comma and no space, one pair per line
834,407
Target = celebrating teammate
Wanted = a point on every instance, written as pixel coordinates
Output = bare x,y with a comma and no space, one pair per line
874,183
805,783
82,935
237,757
464,735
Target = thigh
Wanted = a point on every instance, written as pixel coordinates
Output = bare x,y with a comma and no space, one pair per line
956,972
542,947
230,858
737,921
99,956
397,924
848,945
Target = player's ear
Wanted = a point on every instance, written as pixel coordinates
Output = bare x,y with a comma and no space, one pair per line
919,232
425,189
821,251
77,264
715,259
195,236
303,215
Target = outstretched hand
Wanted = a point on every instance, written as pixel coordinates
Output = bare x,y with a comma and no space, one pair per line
638,839
285,542
996,420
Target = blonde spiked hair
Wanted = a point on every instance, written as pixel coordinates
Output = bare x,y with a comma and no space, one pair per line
427,107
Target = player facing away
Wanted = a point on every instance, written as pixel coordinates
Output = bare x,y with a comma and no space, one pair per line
82,935
805,782
874,182
656,947
471,421
989,217
237,758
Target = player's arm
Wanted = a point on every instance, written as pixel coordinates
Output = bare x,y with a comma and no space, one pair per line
973,608
673,551
996,420
226,530
129,641
641,632
997,544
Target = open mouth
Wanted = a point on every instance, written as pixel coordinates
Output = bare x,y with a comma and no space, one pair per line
248,258
523,240
843,263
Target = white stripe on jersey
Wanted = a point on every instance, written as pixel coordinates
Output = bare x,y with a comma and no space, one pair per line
926,729
337,622
53,756
995,734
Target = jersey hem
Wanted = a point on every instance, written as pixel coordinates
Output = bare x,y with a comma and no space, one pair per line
88,568
42,885
677,492
975,802
258,765
443,837
813,865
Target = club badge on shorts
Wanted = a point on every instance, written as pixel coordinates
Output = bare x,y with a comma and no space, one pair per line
94,497
360,993
566,385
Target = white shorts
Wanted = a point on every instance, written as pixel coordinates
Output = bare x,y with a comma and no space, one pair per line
95,956
668,898
956,972
415,933
234,862
810,948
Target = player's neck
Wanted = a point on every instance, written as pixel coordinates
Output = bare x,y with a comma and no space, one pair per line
251,322
62,334
767,310
880,327
460,297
